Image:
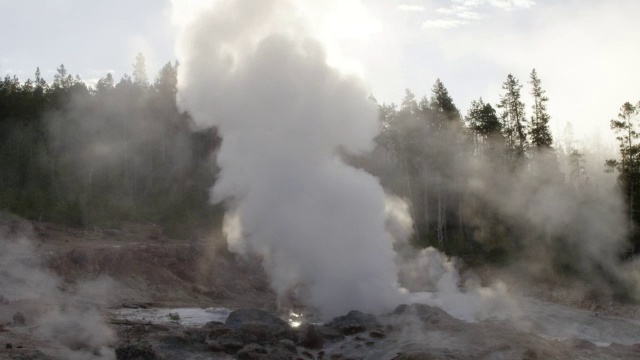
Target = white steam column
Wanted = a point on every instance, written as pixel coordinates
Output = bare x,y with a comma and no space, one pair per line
249,67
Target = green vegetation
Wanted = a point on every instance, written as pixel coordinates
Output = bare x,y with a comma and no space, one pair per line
96,157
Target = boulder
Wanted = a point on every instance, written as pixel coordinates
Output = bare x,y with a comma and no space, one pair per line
215,329
287,345
238,317
229,342
255,332
355,322
198,335
19,319
311,337
251,352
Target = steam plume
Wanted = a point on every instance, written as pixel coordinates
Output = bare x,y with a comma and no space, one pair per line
323,227
249,68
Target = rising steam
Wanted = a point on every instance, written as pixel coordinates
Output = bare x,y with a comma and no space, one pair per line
251,68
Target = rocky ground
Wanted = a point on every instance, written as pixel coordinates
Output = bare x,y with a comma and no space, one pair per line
105,273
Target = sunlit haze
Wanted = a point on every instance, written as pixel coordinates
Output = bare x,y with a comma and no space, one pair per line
583,50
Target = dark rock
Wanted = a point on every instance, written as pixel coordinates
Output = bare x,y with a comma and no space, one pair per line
253,332
135,305
280,353
78,257
197,335
112,232
311,338
329,333
184,253
4,300
231,341
308,355
8,346
582,344
213,325
19,319
215,329
354,322
30,355
251,352
288,345
529,354
416,356
376,334
174,342
135,352
240,316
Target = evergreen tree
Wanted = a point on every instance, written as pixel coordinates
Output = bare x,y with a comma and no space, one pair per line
167,80
626,129
442,103
513,117
62,80
539,127
482,120
140,72
105,85
577,170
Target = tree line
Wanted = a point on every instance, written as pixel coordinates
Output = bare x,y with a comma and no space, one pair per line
474,181
97,156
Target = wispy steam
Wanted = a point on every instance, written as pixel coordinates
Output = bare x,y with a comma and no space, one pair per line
70,321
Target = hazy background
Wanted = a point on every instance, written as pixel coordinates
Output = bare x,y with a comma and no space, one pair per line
583,49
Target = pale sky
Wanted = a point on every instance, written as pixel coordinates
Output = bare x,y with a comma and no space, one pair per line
586,52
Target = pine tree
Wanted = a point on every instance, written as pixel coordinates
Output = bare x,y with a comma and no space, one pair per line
513,117
539,127
626,129
482,120
105,85
61,78
442,103
140,72
167,80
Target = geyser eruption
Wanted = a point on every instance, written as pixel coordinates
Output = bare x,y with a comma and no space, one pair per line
249,67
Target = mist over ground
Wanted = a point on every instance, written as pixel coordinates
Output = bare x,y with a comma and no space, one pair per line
69,317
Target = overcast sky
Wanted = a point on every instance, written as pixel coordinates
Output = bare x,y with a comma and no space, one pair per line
586,52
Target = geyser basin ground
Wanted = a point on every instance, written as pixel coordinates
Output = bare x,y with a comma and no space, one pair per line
549,320
162,274
419,332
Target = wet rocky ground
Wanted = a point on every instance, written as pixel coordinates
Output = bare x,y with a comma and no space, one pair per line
131,293
409,332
